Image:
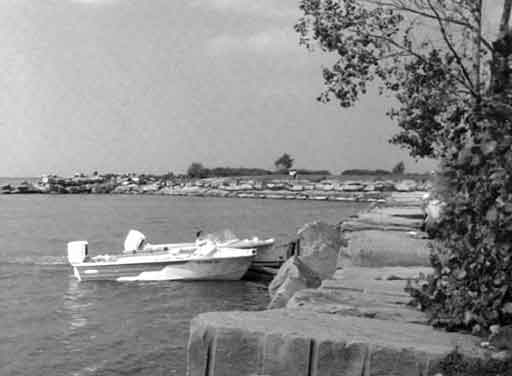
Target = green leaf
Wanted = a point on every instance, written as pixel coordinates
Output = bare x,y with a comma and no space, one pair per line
492,215
488,147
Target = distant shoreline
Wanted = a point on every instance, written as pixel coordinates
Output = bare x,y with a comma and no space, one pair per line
331,188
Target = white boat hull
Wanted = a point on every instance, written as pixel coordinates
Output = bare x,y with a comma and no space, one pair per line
159,269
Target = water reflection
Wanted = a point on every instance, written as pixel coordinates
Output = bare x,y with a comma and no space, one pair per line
75,304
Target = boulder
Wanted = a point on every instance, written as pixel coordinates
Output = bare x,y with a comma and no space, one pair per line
433,210
102,188
297,188
150,188
320,244
77,189
166,191
26,187
406,186
293,276
386,186
352,187
127,188
7,188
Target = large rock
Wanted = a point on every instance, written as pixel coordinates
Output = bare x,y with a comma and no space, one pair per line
406,186
7,188
26,187
127,188
433,210
320,244
293,276
302,343
374,248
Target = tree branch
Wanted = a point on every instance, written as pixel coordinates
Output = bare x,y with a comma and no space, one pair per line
450,46
464,82
400,6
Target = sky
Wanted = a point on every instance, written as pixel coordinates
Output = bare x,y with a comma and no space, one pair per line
152,86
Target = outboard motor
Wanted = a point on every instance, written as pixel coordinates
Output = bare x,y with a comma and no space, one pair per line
77,251
134,241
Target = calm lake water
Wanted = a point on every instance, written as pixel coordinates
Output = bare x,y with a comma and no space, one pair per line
53,325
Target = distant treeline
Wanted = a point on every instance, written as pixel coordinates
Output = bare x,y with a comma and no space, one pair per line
233,171
366,172
301,171
197,170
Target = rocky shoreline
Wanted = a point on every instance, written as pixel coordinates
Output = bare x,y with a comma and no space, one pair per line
338,307
332,188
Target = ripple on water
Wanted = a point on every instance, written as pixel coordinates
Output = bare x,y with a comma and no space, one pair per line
53,325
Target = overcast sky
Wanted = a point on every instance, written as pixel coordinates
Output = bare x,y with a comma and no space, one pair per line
151,86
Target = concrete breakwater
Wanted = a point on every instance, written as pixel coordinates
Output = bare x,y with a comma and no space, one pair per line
333,188
356,321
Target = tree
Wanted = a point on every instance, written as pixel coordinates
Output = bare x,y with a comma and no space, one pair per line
453,87
284,162
399,168
197,170
430,55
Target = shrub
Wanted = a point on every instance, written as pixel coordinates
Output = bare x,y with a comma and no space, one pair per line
471,284
365,172
284,162
454,364
197,170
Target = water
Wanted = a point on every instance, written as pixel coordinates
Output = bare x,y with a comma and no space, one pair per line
53,325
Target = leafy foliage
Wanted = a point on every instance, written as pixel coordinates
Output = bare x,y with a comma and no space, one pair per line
454,364
359,171
303,171
284,162
419,52
197,170
433,59
472,282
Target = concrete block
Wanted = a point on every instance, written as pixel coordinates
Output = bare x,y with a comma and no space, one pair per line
389,362
373,248
234,352
296,342
286,355
383,273
339,358
357,303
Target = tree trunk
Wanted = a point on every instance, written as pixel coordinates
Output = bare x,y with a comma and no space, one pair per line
501,66
477,42
505,17
501,80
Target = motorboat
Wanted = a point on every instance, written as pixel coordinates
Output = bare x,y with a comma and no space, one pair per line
266,254
141,261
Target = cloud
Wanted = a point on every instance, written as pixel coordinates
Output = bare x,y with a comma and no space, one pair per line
265,8
264,42
95,2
